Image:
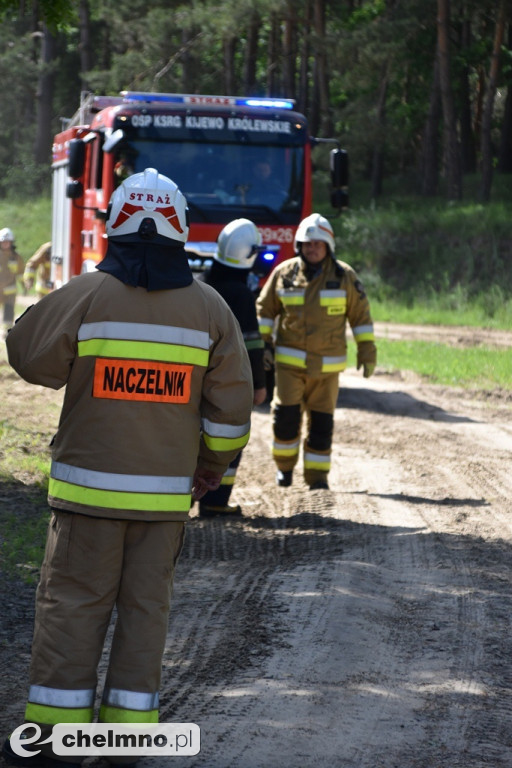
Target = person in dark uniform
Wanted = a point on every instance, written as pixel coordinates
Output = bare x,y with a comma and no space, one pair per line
237,247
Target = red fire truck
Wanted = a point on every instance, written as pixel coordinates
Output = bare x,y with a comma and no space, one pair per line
231,157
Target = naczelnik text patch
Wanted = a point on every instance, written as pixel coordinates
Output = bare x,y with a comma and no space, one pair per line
142,380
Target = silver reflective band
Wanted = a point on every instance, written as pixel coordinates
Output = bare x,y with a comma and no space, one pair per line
143,702
317,458
285,446
266,321
362,329
291,352
109,481
224,430
329,293
165,334
57,697
334,360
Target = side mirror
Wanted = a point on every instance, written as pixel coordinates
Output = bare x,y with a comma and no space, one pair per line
339,168
339,178
74,190
76,158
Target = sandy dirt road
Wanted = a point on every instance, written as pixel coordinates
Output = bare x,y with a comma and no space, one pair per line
368,626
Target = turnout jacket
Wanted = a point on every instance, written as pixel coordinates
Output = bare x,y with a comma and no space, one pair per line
39,267
305,311
156,383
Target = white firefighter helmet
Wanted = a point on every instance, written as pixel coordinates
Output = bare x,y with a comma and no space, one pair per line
148,195
6,234
238,244
315,227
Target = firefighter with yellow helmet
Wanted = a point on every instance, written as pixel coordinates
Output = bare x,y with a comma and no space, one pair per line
158,402
303,310
11,267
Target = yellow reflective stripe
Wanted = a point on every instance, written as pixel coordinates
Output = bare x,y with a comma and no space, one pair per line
229,480
225,443
334,301
292,301
290,360
95,497
143,350
317,465
363,333
285,451
265,329
331,365
39,713
115,715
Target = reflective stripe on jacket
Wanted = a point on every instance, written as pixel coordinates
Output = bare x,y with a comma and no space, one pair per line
307,317
153,381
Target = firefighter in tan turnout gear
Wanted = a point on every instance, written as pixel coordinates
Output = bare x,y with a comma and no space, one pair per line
11,267
157,404
302,312
38,269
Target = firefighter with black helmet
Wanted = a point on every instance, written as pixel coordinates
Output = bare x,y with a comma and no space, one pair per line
158,402
238,245
303,310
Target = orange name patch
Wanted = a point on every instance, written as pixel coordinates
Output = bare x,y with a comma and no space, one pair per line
142,380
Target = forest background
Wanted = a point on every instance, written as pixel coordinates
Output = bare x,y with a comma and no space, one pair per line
419,92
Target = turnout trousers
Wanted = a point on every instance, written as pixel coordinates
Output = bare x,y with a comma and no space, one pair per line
91,566
297,393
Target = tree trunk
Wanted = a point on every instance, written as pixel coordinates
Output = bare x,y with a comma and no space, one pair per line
303,94
467,138
289,51
272,56
322,98
251,54
86,63
450,143
229,45
380,133
44,100
486,142
430,149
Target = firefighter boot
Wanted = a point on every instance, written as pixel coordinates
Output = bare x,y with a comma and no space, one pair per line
233,510
284,479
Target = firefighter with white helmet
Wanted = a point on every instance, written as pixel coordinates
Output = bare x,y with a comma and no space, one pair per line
11,267
303,310
238,245
157,404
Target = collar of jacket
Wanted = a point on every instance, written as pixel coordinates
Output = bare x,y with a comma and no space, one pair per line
153,266
223,273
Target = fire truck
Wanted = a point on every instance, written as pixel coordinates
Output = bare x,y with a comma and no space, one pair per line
232,157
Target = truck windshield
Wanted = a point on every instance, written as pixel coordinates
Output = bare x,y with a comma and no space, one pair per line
224,181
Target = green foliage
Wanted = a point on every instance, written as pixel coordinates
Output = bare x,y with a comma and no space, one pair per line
30,220
418,249
475,367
